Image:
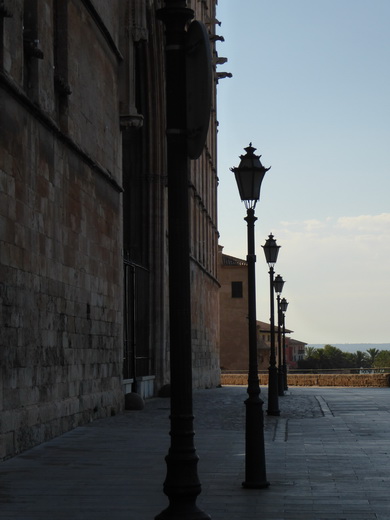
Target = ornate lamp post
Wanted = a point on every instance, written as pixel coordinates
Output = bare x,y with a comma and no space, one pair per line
283,309
278,285
182,485
271,251
249,175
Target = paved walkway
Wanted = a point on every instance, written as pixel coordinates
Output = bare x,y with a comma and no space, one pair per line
328,457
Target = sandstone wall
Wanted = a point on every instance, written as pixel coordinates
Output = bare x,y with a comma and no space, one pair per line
60,232
357,380
61,332
205,325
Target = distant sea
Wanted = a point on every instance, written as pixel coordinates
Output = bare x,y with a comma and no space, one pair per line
353,347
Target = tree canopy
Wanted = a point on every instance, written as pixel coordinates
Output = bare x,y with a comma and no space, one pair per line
330,357
373,352
382,359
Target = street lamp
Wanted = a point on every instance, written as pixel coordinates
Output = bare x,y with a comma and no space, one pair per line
278,285
271,251
182,485
283,308
249,175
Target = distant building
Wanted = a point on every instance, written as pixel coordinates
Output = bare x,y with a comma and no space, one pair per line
233,304
233,301
233,277
295,351
264,343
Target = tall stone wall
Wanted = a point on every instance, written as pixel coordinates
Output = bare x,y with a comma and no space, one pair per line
204,234
60,287
60,231
205,329
71,73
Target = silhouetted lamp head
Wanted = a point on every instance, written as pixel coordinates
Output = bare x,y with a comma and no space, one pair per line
271,250
249,176
278,284
283,304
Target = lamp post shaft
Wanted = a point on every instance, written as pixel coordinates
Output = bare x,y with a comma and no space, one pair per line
280,357
273,400
284,353
255,467
181,485
253,379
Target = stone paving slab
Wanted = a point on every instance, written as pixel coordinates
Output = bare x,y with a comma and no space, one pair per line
328,457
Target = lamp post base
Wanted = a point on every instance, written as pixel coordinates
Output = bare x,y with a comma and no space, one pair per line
280,382
182,511
255,467
182,485
285,377
256,485
273,393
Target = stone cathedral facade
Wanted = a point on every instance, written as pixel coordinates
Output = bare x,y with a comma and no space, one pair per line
83,215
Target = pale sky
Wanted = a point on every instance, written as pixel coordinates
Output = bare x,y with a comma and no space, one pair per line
311,91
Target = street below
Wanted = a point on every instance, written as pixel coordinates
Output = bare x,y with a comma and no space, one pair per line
327,457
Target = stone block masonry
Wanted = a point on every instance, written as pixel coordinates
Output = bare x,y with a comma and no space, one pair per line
60,286
83,192
205,355
60,221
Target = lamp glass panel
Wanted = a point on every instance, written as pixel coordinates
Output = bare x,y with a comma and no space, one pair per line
271,252
278,284
249,183
284,305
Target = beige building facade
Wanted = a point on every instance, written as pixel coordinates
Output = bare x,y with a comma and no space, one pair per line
233,300
234,343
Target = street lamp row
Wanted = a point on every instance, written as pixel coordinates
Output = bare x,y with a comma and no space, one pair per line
282,305
278,285
283,309
271,251
249,176
277,376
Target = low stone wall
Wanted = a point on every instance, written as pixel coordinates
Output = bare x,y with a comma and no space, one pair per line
362,380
